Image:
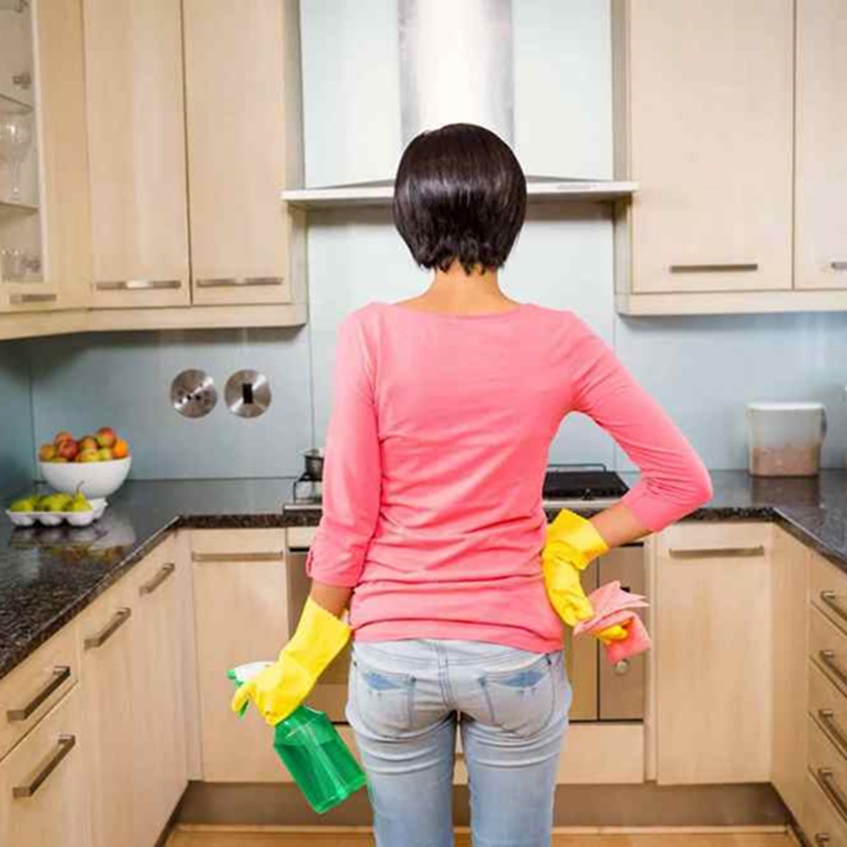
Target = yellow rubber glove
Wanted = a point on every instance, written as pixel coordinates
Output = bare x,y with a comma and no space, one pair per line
281,687
572,542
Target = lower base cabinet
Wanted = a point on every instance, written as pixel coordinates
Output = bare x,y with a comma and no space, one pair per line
43,786
134,706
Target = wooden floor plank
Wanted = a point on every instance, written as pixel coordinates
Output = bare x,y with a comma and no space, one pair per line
241,838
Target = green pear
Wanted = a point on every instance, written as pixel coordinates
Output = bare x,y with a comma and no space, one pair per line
57,502
25,504
79,503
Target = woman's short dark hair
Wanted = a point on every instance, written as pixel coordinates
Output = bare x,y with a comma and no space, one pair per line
460,193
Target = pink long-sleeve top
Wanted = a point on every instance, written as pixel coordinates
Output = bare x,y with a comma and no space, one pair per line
435,457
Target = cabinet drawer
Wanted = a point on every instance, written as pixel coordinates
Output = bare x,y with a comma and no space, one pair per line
33,687
828,707
828,589
820,821
828,648
43,786
828,768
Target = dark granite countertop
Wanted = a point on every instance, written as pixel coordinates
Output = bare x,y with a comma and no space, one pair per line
48,575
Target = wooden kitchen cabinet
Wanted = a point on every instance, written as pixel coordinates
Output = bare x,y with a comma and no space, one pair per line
820,228
106,631
242,117
789,654
134,693
49,225
241,615
136,152
159,721
704,100
44,792
714,661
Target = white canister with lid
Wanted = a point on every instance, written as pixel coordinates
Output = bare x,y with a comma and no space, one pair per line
785,439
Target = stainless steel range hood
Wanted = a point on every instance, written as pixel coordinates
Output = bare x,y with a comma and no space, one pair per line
456,65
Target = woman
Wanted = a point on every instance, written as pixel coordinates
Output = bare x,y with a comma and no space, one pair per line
432,530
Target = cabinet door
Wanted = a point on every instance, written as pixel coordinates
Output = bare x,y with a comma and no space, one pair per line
821,146
158,736
47,233
237,60
43,785
709,129
790,570
713,653
240,613
106,631
136,144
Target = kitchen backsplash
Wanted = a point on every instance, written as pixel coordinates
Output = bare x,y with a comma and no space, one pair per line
16,430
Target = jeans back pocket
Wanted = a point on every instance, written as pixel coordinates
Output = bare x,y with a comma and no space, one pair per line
522,700
383,701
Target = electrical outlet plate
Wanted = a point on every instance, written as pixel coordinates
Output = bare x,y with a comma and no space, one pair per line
193,393
247,394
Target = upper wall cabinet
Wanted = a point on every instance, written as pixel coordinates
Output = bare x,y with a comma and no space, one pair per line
242,111
820,259
704,124
194,122
44,254
136,139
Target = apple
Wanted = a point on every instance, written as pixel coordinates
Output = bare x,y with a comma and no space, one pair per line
88,442
121,449
58,459
59,437
106,437
88,456
46,452
68,449
104,454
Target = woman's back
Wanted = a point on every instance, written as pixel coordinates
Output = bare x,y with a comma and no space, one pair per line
435,462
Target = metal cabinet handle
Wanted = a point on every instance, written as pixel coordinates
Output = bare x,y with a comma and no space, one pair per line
839,265
714,268
60,674
118,620
715,552
18,299
622,667
826,780
22,80
202,558
65,745
829,598
827,717
822,838
828,659
237,281
164,572
138,284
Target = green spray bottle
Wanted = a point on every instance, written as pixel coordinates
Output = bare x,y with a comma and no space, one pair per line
312,750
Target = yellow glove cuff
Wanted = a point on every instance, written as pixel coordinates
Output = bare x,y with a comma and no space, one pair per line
573,538
320,636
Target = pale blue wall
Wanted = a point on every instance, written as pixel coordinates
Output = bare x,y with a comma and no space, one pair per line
16,446
703,370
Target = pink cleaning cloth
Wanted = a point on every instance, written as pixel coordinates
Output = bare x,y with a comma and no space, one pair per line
613,605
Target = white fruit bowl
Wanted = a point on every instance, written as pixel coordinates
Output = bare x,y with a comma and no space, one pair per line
96,479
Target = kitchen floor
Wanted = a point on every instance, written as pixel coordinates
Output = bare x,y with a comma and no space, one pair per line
247,837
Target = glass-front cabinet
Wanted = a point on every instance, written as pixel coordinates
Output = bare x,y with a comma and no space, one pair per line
44,217
20,201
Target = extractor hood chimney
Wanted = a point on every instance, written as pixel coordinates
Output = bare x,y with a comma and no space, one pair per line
456,65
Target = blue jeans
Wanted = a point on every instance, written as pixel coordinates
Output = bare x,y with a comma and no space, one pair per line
405,701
